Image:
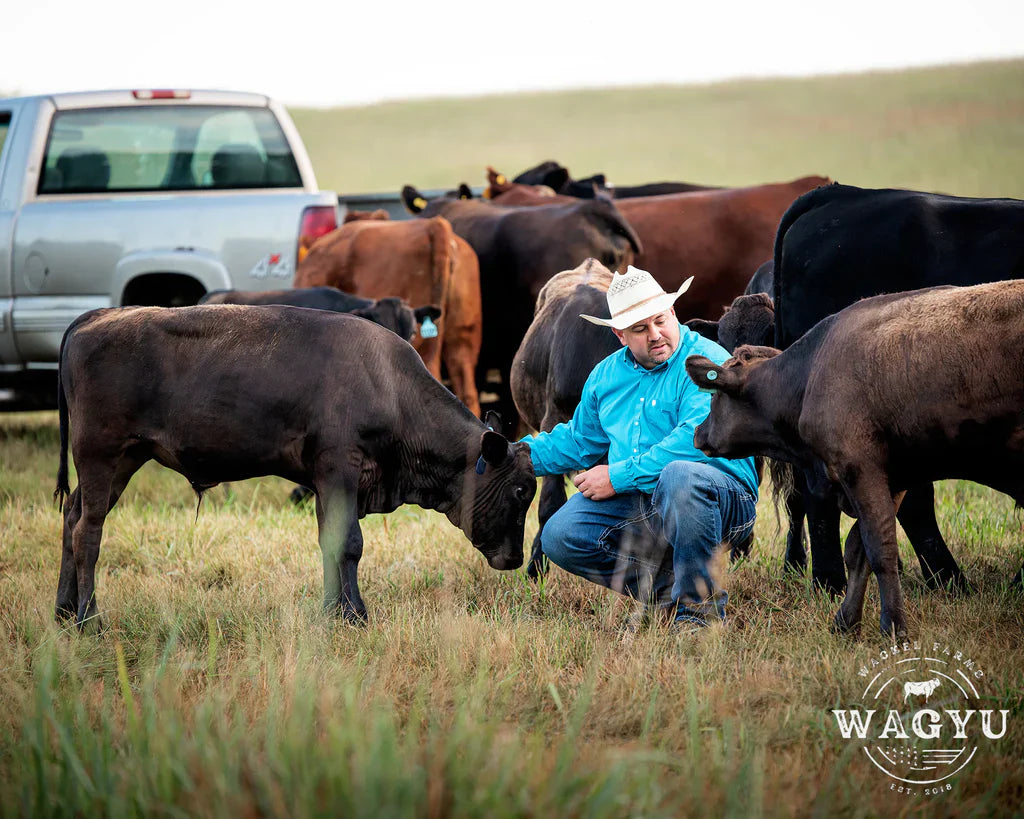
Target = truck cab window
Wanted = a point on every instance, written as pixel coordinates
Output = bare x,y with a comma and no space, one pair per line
166,148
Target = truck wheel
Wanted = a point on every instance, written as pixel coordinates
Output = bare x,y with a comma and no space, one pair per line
163,290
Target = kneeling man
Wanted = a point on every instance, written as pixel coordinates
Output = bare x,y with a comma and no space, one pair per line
651,509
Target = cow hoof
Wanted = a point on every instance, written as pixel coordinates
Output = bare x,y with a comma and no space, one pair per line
300,494
91,626
842,625
895,629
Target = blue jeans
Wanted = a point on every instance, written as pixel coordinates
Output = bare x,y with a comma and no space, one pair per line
656,548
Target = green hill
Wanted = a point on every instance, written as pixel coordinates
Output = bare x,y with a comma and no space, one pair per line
957,129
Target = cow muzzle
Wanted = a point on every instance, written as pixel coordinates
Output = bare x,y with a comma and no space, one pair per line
503,561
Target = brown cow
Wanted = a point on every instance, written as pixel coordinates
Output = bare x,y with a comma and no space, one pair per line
890,392
422,261
720,237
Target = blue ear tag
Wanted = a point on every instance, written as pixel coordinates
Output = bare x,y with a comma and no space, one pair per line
711,376
428,329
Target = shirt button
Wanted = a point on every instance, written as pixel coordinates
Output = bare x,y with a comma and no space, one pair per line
655,401
641,400
634,450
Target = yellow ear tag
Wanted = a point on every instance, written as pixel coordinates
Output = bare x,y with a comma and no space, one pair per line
419,202
500,180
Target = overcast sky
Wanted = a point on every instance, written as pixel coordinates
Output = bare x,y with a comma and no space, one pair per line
321,53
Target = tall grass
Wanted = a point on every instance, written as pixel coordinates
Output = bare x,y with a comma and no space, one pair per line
219,687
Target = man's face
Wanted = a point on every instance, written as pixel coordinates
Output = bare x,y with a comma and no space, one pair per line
652,340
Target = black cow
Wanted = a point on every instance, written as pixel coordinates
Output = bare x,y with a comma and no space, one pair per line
557,178
838,244
223,393
392,313
519,249
891,392
763,280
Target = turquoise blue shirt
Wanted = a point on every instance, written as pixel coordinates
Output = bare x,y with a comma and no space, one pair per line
641,419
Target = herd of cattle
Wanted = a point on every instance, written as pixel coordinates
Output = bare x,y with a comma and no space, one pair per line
869,397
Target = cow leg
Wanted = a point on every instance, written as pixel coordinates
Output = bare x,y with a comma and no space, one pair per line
552,498
66,607
848,617
796,555
461,372
917,516
90,503
341,546
827,569
876,516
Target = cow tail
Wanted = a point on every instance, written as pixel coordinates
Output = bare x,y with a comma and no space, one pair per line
800,206
629,233
442,259
63,489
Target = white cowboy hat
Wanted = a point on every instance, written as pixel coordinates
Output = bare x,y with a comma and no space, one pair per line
634,296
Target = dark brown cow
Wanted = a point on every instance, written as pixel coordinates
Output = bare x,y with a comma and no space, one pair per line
223,393
519,250
720,237
887,393
422,261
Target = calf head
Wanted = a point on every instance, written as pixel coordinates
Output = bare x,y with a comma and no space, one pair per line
738,425
749,320
496,496
417,204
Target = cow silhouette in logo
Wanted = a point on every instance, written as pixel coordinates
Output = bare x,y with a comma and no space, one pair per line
917,688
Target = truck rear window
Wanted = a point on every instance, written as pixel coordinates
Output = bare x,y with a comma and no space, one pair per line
166,148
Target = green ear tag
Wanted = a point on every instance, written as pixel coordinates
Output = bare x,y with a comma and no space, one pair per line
712,375
428,329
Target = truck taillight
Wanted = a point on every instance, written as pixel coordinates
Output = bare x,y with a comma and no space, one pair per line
161,94
317,221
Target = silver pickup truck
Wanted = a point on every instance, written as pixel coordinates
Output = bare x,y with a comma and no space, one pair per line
141,197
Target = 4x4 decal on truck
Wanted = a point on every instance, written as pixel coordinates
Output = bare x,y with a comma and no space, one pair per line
272,266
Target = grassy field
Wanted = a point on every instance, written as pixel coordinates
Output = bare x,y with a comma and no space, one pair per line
219,687
955,129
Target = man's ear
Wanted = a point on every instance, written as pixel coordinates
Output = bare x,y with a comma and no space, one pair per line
707,375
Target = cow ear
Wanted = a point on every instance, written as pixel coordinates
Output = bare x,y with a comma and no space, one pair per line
707,375
429,311
494,448
708,329
413,201
492,419
557,178
465,192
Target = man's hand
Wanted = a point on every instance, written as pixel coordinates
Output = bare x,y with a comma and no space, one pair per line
595,483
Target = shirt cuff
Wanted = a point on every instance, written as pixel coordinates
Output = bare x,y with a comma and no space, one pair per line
621,476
